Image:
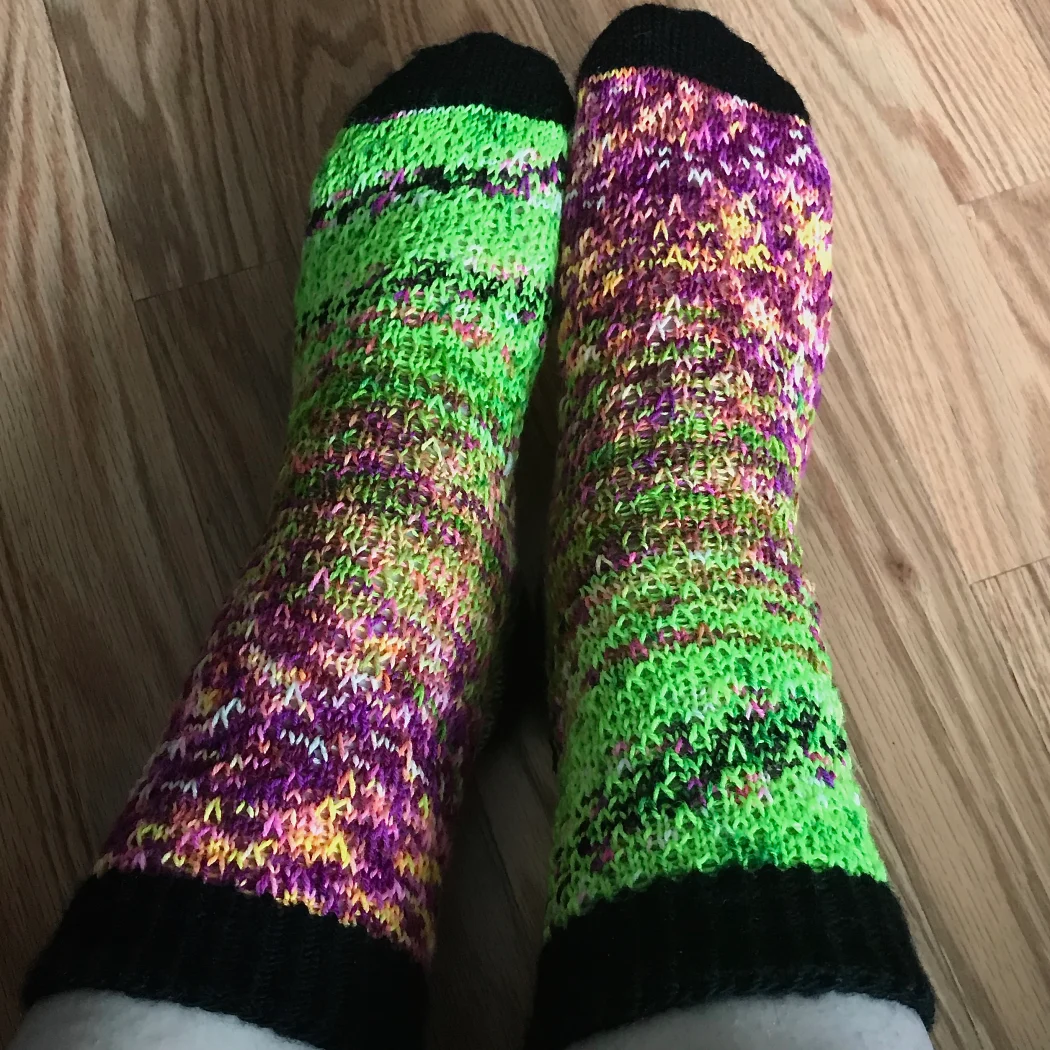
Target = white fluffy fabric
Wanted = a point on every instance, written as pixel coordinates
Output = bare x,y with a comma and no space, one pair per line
826,1022
108,1021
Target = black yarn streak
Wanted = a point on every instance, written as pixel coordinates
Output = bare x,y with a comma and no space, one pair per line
532,297
435,177
764,743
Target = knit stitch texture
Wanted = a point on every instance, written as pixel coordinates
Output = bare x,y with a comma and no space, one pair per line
700,724
710,839
318,750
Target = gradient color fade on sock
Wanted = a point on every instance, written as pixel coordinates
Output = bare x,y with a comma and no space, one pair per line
710,841
696,709
318,750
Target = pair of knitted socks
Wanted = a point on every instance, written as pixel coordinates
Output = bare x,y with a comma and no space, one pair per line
280,858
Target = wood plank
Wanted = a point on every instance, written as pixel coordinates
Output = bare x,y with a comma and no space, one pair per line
1036,17
1012,230
137,449
409,26
1017,608
989,79
305,65
105,581
36,865
221,352
939,728
185,181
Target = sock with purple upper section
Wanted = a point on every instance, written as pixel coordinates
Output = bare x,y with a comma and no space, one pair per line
710,840
280,859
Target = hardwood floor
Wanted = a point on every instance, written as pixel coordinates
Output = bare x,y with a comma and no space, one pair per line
153,183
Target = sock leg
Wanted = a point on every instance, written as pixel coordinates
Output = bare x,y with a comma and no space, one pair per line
281,856
710,840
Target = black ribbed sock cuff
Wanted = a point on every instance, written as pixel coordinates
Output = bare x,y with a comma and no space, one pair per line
700,938
693,44
480,69
307,977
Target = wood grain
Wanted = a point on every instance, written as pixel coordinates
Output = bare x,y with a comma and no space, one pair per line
988,76
1013,230
305,65
1017,608
185,181
221,353
152,190
409,26
105,581
1036,18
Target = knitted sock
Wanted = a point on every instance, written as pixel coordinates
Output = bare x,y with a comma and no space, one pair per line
710,839
280,858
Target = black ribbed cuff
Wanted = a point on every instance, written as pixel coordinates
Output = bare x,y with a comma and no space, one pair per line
699,938
307,977
480,69
693,44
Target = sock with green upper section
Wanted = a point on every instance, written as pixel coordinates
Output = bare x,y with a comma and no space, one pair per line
710,839
280,858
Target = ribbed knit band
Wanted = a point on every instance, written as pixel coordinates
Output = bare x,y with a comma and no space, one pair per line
702,937
172,939
698,46
480,69
280,859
